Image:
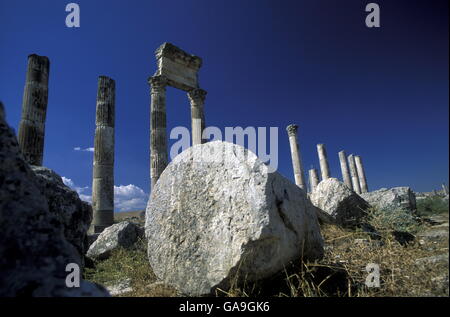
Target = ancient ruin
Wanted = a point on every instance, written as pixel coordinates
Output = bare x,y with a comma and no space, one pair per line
323,160
103,175
297,165
177,69
313,179
34,110
361,174
354,174
344,168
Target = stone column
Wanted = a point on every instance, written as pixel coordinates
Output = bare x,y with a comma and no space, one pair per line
344,168
354,174
445,189
313,179
361,174
296,156
197,99
34,110
103,178
323,160
158,134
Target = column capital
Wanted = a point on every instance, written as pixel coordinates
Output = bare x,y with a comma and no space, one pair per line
292,129
197,95
157,82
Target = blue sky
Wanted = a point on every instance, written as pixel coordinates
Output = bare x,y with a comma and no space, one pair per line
380,93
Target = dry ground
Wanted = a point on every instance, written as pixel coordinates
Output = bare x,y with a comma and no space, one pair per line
415,268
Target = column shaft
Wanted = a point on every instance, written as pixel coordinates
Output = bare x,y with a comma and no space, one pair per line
296,156
197,100
103,175
361,174
158,134
354,174
345,171
313,179
34,110
323,160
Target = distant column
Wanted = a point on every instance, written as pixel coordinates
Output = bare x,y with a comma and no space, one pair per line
197,99
344,168
296,156
354,174
361,174
445,189
158,134
323,160
103,178
34,110
313,179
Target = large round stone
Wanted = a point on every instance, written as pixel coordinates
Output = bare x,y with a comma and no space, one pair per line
217,215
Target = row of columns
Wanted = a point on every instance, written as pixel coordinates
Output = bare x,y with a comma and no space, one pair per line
353,173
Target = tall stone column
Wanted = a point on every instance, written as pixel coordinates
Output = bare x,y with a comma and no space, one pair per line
313,179
361,174
344,168
197,99
323,160
103,178
34,110
158,134
354,174
296,156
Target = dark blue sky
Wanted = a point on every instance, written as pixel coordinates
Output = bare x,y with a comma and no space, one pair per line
380,93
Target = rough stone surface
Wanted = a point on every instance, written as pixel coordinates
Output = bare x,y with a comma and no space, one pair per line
33,250
392,199
121,287
337,200
124,234
64,203
216,214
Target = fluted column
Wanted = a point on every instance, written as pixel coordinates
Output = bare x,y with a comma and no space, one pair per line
34,110
103,178
313,179
361,174
158,134
296,156
197,99
344,168
323,160
354,174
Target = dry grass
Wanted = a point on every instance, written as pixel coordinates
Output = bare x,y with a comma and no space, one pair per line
342,271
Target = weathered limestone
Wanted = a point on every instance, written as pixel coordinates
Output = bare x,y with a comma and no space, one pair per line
296,156
392,199
345,171
34,246
103,176
323,160
313,179
354,174
34,110
445,189
217,215
197,100
158,136
177,69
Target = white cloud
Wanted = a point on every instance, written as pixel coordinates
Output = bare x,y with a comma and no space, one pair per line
89,149
126,197
129,197
68,182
